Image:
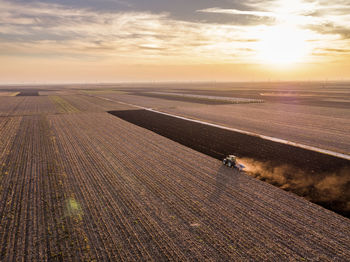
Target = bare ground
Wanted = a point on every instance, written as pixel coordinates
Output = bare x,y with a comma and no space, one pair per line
87,186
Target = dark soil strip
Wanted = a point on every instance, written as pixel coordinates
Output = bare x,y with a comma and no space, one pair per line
28,93
218,143
184,99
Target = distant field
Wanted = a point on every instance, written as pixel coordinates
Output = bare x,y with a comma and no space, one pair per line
8,93
102,91
78,184
306,114
202,99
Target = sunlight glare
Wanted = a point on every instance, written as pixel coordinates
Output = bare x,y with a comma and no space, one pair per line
282,45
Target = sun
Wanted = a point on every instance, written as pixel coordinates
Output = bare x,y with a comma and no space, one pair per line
282,45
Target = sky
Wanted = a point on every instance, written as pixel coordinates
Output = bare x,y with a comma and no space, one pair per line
162,40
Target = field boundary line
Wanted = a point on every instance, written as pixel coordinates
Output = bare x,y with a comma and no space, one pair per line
270,138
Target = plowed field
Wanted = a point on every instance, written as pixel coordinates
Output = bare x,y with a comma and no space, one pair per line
28,93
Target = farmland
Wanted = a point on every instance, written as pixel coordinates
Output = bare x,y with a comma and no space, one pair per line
79,183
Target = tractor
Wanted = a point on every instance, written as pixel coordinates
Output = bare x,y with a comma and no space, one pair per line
231,161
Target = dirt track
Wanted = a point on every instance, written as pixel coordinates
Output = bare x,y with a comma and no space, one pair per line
89,186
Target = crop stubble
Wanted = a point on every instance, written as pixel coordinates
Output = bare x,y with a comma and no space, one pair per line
33,222
26,105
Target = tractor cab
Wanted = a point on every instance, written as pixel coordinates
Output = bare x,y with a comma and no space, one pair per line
230,160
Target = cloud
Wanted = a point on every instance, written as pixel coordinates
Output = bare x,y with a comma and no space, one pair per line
155,31
337,50
331,29
217,10
243,17
181,10
51,29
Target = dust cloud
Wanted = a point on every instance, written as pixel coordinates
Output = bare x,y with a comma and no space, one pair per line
327,189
